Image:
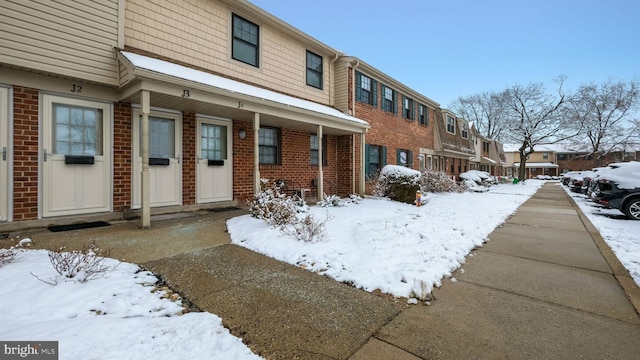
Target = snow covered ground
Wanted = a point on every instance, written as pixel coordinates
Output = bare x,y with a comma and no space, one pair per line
400,249
115,316
621,234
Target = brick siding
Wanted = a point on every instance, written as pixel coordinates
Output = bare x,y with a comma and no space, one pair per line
122,171
25,153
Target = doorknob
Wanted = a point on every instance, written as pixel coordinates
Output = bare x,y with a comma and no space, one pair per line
4,153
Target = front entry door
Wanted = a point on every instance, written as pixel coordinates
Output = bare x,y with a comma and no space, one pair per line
76,156
214,169
5,153
165,170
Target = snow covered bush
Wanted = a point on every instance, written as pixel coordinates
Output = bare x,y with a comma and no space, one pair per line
437,181
402,183
12,252
286,212
8,255
79,265
272,205
330,201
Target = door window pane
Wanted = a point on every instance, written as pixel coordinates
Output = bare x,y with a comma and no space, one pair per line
162,138
213,142
77,130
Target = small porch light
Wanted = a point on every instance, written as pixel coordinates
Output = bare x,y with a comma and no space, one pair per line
242,134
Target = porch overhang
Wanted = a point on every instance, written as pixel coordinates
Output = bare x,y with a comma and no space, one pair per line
182,88
486,160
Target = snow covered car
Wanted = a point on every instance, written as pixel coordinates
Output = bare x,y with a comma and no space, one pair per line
566,177
619,188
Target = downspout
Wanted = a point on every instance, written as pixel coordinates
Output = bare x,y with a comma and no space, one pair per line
353,138
332,101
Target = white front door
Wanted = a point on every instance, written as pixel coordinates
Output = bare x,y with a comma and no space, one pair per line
165,169
214,160
5,153
76,156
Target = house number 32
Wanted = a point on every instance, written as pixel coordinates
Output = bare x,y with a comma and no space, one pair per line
76,88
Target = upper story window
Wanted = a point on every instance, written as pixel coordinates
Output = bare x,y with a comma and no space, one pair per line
269,145
464,129
245,41
451,124
366,89
423,115
485,146
408,111
389,100
562,157
314,70
545,155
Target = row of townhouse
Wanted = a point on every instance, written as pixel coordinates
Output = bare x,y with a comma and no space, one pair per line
116,107
557,159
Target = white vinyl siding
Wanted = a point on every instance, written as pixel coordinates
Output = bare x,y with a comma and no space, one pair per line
74,39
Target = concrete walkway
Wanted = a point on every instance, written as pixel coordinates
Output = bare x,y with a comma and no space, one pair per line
541,288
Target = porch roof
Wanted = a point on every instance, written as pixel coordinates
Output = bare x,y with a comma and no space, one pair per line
226,97
486,159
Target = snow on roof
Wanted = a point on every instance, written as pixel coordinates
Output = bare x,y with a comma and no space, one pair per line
545,148
186,73
538,165
489,160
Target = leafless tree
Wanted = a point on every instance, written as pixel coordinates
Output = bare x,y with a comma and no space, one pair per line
485,110
607,111
537,117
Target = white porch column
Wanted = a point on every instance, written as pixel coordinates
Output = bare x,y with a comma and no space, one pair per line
362,160
320,160
256,153
145,99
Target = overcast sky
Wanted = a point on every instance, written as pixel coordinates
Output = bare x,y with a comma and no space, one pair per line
445,49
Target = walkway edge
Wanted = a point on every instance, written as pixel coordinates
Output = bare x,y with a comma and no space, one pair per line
621,274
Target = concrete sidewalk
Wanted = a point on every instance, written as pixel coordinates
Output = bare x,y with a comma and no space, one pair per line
540,288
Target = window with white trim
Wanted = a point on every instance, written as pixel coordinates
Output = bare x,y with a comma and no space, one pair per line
366,89
451,124
315,150
408,111
389,100
464,129
246,36
269,145
423,115
314,70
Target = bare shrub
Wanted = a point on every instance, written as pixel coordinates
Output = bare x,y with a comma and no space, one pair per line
437,181
307,229
79,265
379,185
11,251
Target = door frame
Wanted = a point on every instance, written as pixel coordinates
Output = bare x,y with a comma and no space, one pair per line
208,119
136,176
46,101
6,152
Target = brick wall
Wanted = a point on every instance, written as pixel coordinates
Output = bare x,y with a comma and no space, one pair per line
122,133
188,159
295,163
395,132
25,153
